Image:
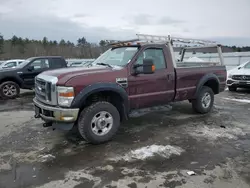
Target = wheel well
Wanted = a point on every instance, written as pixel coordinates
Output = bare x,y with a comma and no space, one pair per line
109,96
10,79
213,84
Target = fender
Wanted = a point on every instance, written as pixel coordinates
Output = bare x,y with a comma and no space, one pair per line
15,78
79,100
204,79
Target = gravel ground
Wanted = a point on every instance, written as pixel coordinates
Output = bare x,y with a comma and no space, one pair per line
157,147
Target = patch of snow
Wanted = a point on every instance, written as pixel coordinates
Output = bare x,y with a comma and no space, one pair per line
215,133
45,158
191,173
149,152
5,166
239,100
105,168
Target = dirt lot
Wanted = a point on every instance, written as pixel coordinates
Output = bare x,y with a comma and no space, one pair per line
155,148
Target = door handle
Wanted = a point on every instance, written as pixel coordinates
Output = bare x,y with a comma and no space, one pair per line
169,76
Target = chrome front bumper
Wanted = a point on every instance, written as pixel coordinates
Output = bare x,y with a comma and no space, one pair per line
55,114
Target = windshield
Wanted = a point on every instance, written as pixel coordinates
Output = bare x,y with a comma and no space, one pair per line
247,66
117,56
24,63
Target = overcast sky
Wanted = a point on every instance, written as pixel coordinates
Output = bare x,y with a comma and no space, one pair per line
224,20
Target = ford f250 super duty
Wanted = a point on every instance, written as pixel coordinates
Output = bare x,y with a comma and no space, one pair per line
130,75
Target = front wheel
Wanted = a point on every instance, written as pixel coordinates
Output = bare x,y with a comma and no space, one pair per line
204,101
9,90
99,122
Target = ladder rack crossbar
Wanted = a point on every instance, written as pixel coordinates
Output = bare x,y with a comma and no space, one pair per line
145,38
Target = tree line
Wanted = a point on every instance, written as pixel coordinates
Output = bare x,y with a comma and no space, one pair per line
18,47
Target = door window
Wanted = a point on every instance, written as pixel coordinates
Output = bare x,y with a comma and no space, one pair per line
10,64
59,63
40,64
156,55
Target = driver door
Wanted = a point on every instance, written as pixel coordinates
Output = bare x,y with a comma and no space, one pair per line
147,90
33,69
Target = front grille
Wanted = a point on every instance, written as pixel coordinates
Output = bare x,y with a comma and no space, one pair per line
241,77
43,90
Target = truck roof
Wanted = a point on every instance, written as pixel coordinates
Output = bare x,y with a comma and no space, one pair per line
47,57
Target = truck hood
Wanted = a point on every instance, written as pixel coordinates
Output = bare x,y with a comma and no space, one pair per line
241,71
65,74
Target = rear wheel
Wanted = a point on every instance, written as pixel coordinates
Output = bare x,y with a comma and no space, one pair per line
9,90
204,101
231,88
99,122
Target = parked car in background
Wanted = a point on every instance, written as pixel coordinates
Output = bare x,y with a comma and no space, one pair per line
81,64
239,77
77,62
128,76
23,76
11,63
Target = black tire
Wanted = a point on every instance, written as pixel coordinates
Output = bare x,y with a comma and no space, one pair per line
11,84
197,104
85,125
231,88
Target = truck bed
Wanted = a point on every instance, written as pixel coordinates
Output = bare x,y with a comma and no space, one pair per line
185,77
197,64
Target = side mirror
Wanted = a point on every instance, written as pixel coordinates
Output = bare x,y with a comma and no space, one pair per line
148,67
31,68
239,68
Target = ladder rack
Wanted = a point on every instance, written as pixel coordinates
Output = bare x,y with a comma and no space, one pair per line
174,41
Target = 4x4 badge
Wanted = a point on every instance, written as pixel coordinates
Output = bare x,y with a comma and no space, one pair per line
122,82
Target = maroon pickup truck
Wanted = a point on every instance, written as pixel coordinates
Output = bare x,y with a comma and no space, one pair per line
128,76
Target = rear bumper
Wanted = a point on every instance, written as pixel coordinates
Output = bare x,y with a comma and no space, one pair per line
55,114
238,83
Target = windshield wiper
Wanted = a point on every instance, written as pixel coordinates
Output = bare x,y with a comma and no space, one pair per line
105,64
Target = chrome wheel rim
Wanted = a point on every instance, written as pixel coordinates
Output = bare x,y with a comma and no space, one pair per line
206,100
101,123
9,90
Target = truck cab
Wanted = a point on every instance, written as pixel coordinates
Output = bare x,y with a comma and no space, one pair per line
130,75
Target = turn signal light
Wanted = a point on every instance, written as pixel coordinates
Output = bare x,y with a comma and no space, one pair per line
68,94
153,68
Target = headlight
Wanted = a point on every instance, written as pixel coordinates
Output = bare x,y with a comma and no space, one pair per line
65,95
